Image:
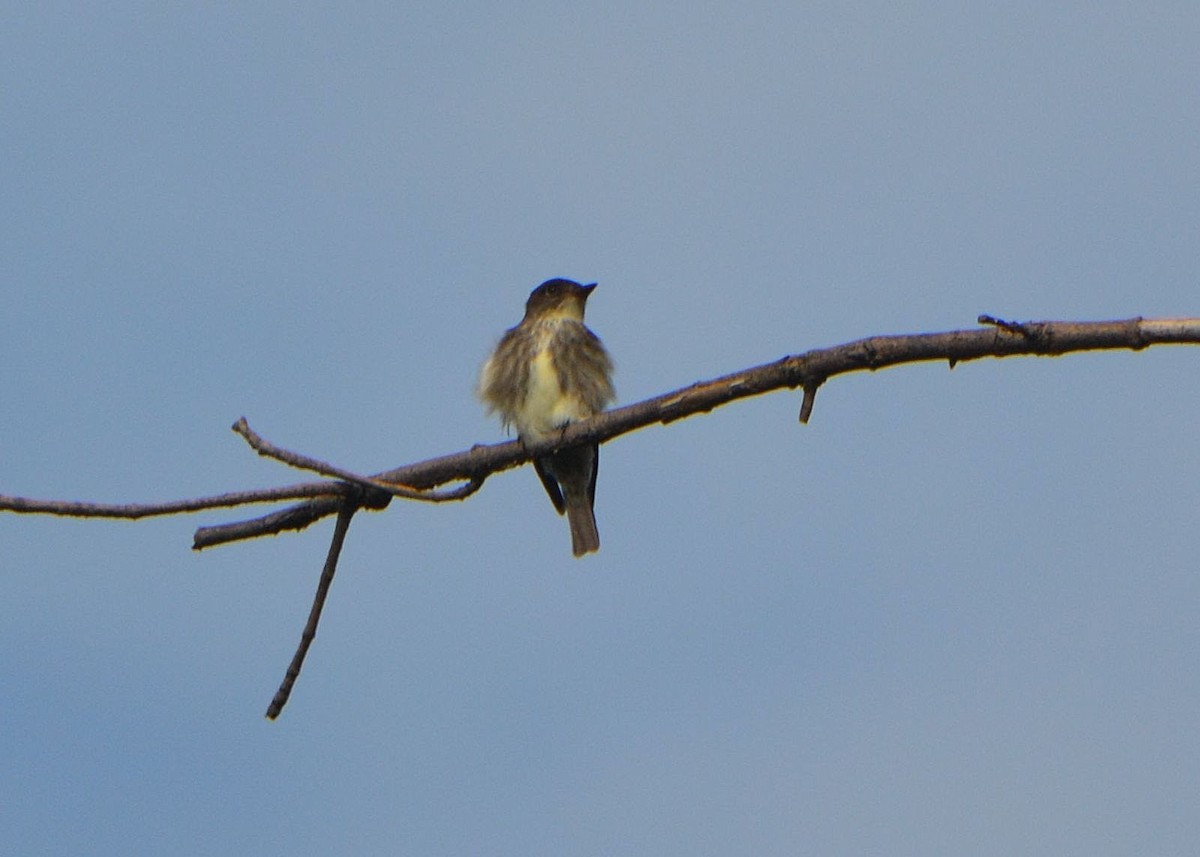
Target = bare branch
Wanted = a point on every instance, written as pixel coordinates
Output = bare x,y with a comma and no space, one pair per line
809,370
345,513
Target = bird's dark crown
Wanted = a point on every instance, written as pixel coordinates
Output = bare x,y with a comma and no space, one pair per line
554,293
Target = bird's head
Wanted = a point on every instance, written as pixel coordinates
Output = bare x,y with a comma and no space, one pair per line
558,299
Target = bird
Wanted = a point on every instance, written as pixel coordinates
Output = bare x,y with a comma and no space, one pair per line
547,372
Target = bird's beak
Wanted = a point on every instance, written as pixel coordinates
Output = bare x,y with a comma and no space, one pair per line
587,290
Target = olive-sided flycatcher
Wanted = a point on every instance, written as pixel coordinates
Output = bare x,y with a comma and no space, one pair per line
547,372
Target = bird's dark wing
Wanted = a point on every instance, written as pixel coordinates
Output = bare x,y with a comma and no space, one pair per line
551,484
595,471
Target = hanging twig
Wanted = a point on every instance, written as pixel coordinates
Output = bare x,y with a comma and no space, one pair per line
314,614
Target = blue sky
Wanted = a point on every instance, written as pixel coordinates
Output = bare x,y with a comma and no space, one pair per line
954,614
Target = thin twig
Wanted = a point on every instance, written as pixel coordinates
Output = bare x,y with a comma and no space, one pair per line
303,462
345,513
78,509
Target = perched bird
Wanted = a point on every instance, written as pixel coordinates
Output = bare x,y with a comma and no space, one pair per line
547,372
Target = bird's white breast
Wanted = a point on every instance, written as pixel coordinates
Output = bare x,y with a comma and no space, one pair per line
546,407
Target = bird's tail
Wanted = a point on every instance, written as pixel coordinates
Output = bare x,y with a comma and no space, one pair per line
584,536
